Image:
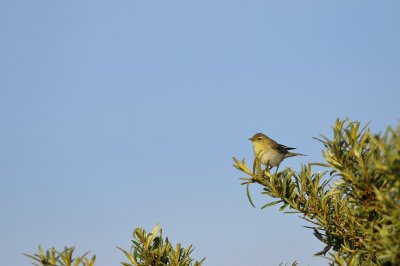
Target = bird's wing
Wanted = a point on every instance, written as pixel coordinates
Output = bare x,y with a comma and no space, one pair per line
286,147
279,147
282,148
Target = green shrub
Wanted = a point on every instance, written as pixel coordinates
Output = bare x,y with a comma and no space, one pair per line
151,250
52,257
148,249
354,205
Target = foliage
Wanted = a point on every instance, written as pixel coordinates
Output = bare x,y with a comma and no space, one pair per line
65,258
147,250
353,206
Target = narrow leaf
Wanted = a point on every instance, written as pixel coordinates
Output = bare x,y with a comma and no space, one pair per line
248,195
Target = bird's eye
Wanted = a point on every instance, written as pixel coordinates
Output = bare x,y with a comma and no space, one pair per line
259,138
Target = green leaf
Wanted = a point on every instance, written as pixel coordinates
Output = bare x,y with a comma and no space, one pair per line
283,206
324,251
271,204
248,195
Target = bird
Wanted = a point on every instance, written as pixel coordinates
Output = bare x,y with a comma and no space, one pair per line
269,151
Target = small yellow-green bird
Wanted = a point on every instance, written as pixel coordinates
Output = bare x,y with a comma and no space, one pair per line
270,152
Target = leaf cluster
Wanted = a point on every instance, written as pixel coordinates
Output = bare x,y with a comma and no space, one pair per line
149,249
353,206
52,257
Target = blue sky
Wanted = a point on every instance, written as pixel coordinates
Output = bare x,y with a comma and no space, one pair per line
119,114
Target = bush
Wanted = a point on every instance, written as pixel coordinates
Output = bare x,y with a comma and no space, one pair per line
148,249
354,205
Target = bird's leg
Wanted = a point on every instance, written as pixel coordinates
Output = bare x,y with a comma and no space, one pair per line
277,167
268,167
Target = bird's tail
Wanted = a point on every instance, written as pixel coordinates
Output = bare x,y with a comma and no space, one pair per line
291,154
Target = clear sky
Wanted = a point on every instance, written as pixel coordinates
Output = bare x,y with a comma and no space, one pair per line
119,114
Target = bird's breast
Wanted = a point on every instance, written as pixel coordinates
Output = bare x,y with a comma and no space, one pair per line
272,158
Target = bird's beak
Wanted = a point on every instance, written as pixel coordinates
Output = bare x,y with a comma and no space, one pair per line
251,139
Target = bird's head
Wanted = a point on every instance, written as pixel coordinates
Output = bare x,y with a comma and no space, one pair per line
259,137
260,142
